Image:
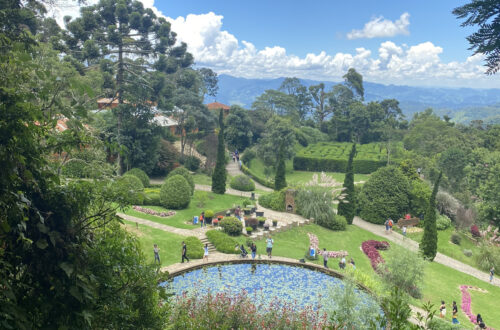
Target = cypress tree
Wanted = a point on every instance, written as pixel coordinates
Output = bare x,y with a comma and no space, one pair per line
428,245
219,175
280,179
347,206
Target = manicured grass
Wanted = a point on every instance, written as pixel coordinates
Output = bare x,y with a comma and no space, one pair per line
169,244
213,202
446,247
200,178
299,177
441,282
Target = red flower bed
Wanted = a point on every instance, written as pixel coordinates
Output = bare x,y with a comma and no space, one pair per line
371,247
475,231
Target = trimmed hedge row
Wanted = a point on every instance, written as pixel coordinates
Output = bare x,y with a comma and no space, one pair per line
194,247
262,181
222,242
361,166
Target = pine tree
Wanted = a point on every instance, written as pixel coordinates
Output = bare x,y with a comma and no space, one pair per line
280,179
219,175
347,206
428,245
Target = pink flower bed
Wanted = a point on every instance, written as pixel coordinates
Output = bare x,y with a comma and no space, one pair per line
466,301
153,212
371,247
314,243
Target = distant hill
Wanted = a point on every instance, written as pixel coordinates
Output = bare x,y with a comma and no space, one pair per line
461,104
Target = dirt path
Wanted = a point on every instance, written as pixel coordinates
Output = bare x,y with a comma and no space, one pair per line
412,245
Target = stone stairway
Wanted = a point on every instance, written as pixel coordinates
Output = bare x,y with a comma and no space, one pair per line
211,247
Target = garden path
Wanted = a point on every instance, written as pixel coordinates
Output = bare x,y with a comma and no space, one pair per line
233,169
412,245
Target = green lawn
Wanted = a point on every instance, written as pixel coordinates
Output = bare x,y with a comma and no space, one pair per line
299,177
213,202
441,282
200,178
446,247
169,244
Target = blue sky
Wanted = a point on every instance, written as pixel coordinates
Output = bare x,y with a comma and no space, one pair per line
418,43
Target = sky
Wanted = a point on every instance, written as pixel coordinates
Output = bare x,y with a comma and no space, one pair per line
416,43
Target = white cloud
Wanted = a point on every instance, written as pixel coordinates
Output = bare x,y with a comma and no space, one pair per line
380,27
417,65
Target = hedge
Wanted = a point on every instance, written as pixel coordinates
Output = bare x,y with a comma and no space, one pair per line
242,182
222,242
361,166
262,181
274,201
194,247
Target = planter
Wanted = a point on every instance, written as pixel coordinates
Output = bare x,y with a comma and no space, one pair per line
260,213
261,223
208,220
215,222
247,211
275,223
266,227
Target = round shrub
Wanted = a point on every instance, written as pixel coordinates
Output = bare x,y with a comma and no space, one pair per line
131,188
455,238
442,222
175,193
194,247
384,195
231,226
209,214
242,182
140,174
192,163
185,173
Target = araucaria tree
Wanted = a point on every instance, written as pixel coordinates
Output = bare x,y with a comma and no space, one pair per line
347,205
219,175
280,179
428,245
134,50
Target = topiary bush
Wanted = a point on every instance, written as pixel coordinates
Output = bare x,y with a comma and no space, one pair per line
242,182
140,174
185,173
194,247
130,186
231,226
192,163
455,238
384,195
222,242
442,222
175,193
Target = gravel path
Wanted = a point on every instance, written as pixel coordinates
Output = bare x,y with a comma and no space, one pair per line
412,245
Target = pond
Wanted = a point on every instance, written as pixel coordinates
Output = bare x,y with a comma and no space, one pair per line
265,283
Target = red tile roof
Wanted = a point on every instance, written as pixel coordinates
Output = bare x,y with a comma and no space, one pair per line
217,106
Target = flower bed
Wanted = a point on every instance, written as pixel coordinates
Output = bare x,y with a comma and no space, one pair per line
314,243
371,247
466,301
153,212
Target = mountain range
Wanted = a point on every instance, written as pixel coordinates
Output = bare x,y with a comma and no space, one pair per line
461,104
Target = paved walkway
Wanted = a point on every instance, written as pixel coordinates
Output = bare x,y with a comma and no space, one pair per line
233,169
412,245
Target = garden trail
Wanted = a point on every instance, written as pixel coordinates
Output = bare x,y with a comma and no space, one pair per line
233,170
412,245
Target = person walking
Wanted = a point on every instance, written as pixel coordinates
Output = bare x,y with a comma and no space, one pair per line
492,273
386,223
454,315
325,258
156,251
404,231
202,219
390,225
205,253
234,157
269,246
253,248
184,252
237,213
442,310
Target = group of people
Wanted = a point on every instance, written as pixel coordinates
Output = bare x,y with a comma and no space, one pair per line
454,316
236,158
388,225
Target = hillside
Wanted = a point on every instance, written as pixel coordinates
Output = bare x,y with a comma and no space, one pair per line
461,104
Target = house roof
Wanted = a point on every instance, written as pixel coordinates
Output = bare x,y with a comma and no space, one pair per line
217,105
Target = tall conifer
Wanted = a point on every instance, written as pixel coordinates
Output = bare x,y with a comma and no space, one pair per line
347,207
428,245
280,179
219,175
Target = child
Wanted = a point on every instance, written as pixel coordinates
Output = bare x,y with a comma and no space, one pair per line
442,309
205,255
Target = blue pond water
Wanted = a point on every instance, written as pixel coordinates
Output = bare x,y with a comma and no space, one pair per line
266,282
